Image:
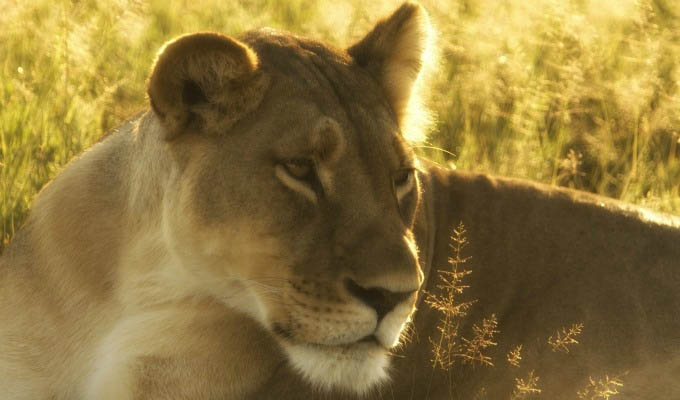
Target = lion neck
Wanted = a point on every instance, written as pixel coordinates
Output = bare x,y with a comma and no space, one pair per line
83,220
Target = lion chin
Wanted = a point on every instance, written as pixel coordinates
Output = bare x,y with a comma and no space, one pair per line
356,368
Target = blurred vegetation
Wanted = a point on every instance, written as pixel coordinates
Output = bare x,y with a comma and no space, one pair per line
579,93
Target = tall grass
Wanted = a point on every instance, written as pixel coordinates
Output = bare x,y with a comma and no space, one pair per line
580,93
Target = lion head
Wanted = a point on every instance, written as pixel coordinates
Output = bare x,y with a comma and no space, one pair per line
292,191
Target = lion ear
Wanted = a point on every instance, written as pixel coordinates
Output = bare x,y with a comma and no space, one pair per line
394,53
204,79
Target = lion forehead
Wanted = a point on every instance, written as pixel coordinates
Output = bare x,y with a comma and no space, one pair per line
327,76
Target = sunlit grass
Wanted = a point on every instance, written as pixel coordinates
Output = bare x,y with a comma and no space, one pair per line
580,93
576,93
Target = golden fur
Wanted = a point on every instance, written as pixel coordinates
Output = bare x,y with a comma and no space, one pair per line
259,234
260,214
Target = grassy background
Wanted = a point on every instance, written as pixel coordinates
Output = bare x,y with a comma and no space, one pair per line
579,93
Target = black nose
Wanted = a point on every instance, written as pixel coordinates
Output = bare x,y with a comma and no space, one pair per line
381,300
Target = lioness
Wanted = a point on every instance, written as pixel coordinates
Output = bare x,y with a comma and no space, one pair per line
264,231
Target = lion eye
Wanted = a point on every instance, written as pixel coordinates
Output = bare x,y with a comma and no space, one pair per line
300,175
403,182
301,169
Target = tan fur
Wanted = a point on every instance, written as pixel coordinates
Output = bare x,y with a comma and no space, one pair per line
183,258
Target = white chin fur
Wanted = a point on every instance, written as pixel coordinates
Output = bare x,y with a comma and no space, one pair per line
356,369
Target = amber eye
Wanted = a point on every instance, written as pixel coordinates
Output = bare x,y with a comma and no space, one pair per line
301,169
403,177
299,174
403,181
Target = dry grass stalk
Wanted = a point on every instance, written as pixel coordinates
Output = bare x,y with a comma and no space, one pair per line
601,389
515,356
525,389
565,338
473,349
447,346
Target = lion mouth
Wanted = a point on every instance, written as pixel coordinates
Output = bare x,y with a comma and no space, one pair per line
363,346
366,343
288,336
369,342
371,339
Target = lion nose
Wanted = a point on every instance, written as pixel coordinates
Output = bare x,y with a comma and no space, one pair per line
381,300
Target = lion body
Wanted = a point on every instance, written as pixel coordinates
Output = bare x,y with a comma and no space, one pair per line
260,233
543,259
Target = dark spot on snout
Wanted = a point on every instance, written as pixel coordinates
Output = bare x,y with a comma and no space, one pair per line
278,329
381,300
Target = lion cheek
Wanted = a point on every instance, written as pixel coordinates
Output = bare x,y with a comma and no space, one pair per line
235,263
